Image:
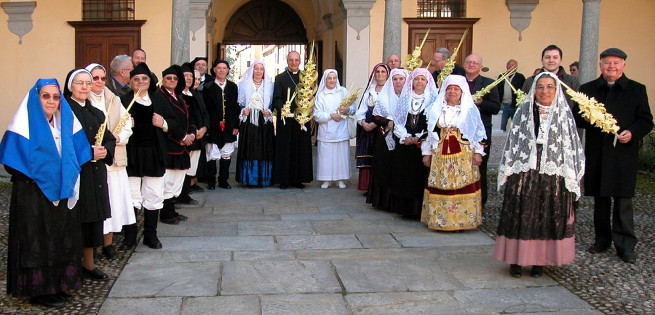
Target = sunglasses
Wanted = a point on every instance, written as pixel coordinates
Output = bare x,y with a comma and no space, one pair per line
97,78
170,78
47,96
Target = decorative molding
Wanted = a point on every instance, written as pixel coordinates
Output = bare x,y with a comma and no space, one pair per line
20,17
521,13
197,15
358,13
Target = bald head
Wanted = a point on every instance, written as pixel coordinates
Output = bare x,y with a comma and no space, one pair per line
393,61
472,66
293,61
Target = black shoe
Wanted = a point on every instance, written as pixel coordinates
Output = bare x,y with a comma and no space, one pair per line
299,185
515,271
537,271
181,217
173,220
65,296
597,248
109,252
211,186
50,300
365,194
94,274
283,186
629,257
152,242
187,200
195,187
224,185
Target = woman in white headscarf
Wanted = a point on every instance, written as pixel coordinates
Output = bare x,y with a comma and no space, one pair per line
379,191
540,170
255,157
410,129
120,198
333,160
453,151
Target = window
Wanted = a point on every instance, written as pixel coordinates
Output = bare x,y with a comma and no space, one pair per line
441,8
107,10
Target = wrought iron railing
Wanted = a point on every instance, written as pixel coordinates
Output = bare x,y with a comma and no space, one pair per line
107,10
441,8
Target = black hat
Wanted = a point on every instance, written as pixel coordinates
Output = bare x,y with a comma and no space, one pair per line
216,62
613,52
193,62
142,68
177,71
187,67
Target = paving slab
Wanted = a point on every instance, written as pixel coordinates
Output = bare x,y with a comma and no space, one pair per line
432,238
402,303
293,242
377,240
159,306
368,253
218,217
275,277
304,304
216,243
243,305
145,256
394,275
275,228
264,255
313,217
349,227
202,228
168,279
521,300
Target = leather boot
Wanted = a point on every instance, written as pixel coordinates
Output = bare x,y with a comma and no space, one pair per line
224,174
150,239
130,232
184,197
167,214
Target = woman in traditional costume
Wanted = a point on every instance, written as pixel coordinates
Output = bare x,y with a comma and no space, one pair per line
119,186
453,151
379,191
366,129
410,129
540,170
43,150
256,135
333,160
94,194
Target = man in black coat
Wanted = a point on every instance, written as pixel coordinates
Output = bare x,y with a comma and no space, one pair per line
293,146
220,96
488,105
611,163
507,97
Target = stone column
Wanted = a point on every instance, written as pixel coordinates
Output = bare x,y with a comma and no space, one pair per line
357,38
392,28
589,41
198,28
180,32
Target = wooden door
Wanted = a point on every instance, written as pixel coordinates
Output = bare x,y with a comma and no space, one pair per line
444,32
100,41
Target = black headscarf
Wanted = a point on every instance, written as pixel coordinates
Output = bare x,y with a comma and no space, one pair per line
177,71
142,68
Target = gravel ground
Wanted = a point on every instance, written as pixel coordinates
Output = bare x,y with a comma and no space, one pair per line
603,280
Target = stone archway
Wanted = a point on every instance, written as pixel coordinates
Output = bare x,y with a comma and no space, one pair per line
265,22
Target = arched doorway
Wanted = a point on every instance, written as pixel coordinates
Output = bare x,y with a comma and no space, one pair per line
272,24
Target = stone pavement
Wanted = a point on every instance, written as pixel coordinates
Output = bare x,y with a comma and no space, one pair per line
321,251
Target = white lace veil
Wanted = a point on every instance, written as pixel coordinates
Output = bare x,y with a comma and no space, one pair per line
388,98
247,88
402,108
562,153
468,121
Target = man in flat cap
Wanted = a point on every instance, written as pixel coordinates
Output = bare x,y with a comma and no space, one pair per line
611,162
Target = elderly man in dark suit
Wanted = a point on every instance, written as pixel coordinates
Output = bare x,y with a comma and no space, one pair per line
488,105
611,167
507,98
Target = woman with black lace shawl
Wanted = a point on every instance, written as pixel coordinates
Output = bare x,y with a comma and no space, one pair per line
540,170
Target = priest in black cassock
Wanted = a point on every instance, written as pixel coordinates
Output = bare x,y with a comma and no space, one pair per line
293,147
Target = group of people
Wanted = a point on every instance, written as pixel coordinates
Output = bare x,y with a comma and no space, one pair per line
87,160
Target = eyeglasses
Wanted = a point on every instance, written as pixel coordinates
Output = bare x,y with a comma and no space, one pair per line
435,60
98,78
140,79
47,96
170,78
81,83
473,63
545,87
